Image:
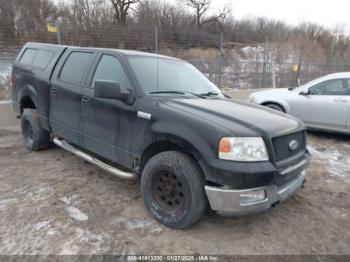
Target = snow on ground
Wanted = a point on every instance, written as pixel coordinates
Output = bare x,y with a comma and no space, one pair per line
337,163
5,70
5,73
54,203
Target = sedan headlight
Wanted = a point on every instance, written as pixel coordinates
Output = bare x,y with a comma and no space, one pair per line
243,149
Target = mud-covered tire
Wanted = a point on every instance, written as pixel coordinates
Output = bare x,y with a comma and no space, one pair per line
35,138
275,107
173,189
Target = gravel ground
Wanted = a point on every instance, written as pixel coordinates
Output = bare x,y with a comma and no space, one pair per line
54,203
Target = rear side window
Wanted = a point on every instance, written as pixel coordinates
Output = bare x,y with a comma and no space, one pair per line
75,66
28,56
42,59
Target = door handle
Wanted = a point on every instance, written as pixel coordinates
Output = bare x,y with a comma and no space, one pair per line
53,90
85,99
340,100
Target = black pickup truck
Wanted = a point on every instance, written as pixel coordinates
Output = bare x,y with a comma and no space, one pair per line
157,118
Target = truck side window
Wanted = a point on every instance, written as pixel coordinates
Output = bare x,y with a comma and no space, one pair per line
110,69
42,59
75,66
28,56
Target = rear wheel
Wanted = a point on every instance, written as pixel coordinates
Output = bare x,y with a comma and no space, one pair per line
275,107
35,138
173,189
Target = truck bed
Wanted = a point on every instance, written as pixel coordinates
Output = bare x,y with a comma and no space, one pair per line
31,75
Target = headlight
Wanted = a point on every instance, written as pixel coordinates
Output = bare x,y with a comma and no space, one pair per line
243,149
251,99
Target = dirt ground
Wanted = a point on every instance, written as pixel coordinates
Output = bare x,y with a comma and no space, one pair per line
54,203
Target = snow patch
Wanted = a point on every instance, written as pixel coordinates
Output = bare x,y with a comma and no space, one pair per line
76,213
39,194
68,200
73,211
336,163
7,201
5,71
82,238
139,224
45,225
5,102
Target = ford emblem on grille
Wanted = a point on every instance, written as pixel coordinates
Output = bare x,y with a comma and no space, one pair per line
293,145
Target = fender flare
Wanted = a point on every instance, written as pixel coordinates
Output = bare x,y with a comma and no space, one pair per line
183,132
28,91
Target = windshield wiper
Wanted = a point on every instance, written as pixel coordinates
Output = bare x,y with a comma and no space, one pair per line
167,92
210,94
176,92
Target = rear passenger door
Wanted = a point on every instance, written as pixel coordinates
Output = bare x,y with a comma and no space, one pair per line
66,94
105,122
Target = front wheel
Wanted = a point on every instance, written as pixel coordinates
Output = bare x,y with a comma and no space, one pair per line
173,189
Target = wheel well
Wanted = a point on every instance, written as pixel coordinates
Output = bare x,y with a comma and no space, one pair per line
274,103
162,146
27,102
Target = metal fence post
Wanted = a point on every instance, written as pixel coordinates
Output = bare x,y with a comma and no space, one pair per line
273,75
58,26
264,66
156,38
221,42
221,57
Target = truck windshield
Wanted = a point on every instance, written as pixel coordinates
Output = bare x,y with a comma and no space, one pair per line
162,76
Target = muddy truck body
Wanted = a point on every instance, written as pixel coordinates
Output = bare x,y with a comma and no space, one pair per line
158,119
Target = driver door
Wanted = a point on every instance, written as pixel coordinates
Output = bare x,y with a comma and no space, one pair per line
324,105
105,122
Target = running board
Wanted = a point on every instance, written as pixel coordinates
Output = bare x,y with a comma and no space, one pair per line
110,169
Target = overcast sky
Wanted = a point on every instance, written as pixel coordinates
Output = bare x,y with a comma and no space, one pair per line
325,12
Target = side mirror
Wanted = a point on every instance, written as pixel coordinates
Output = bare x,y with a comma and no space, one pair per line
110,90
304,93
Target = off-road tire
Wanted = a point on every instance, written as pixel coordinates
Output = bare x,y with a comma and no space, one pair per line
188,202
35,138
275,107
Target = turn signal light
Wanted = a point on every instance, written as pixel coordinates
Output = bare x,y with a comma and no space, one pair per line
224,145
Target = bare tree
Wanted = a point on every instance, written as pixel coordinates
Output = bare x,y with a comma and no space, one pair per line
121,8
201,7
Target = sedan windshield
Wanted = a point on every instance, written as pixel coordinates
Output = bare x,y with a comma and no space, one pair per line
162,76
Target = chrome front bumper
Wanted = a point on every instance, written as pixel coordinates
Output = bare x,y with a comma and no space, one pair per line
227,200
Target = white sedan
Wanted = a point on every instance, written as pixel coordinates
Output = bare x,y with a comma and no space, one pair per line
323,104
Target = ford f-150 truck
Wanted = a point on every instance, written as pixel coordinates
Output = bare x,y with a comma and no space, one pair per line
158,119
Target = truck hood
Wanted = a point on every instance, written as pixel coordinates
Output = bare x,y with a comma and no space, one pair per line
240,118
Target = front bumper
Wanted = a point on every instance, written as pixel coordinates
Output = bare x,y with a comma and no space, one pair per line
227,200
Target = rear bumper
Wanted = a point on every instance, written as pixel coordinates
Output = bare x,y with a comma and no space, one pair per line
228,200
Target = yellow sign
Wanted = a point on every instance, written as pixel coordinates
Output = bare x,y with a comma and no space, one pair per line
51,28
295,68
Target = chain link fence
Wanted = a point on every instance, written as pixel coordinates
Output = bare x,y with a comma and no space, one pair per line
207,51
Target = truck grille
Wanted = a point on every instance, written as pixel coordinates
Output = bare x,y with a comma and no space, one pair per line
282,145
